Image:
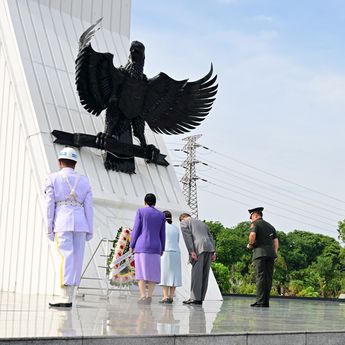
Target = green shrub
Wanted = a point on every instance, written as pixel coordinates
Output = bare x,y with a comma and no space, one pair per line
246,289
308,292
222,275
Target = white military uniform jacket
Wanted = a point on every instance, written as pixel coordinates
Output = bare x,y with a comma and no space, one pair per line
66,213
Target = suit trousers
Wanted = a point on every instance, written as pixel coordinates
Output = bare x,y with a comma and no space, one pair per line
200,272
70,246
264,275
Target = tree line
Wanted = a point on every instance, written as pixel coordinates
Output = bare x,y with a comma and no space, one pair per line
308,264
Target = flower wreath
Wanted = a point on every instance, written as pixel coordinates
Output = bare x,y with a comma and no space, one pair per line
120,248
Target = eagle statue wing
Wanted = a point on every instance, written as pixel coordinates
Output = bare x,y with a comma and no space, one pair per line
175,107
96,77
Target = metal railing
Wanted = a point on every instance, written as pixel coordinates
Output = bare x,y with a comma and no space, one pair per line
108,288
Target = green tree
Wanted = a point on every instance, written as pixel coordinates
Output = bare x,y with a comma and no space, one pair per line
341,230
303,248
230,247
222,275
280,275
215,228
330,277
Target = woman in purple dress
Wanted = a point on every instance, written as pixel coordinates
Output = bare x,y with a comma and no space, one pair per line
148,243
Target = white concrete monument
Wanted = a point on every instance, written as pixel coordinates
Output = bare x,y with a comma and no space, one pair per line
38,47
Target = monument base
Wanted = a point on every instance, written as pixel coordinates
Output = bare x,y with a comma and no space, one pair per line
26,319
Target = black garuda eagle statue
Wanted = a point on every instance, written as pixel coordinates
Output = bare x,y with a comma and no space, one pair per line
130,99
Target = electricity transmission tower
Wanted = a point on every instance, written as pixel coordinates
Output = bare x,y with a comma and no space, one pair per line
189,178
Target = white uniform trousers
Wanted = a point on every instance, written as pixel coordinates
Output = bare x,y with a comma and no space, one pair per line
70,246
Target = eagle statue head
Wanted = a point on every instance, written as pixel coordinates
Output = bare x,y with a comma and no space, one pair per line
137,52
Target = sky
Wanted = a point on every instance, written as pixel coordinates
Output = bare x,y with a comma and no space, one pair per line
275,135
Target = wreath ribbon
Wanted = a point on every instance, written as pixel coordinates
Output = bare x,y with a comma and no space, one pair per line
122,267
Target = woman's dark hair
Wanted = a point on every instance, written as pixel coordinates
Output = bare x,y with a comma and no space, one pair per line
150,199
168,216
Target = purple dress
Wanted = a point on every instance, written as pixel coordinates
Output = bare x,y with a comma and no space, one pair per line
148,242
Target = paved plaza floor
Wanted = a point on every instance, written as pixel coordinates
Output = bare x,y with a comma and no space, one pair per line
29,316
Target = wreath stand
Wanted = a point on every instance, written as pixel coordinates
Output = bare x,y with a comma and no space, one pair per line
105,287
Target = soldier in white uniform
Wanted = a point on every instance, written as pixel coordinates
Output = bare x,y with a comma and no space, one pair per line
70,222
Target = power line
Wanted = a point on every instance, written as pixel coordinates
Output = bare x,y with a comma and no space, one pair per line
275,176
265,185
268,203
225,186
276,214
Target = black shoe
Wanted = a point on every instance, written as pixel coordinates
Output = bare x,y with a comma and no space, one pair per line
166,300
60,305
260,305
145,300
192,301
142,300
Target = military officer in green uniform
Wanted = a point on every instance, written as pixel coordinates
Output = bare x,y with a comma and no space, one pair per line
264,243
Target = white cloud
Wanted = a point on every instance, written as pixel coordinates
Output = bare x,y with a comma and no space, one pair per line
265,19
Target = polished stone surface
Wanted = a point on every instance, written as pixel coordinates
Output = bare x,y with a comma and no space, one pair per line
29,316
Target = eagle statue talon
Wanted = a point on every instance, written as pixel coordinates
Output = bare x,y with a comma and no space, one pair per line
108,165
101,139
131,99
152,153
